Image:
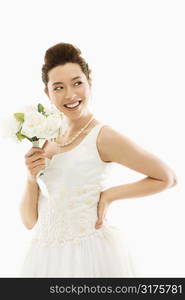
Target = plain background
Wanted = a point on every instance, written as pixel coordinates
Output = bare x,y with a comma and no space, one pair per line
136,52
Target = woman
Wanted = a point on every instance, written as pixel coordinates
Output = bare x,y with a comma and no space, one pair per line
67,206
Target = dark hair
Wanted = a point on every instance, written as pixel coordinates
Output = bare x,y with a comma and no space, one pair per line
60,54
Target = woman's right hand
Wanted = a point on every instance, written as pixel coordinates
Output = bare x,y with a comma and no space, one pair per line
35,162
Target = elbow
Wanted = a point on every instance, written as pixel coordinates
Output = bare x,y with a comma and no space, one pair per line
29,225
172,181
175,181
28,220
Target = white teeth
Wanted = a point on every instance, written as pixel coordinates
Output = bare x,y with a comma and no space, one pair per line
72,105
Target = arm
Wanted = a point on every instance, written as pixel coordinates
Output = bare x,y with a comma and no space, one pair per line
28,205
141,188
116,147
35,161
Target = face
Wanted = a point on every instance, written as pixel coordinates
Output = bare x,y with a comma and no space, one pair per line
63,89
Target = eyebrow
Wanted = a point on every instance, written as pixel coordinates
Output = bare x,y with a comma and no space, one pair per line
59,82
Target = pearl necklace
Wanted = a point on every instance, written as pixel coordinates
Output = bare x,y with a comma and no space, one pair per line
75,136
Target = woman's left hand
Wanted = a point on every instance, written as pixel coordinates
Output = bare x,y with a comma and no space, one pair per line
102,208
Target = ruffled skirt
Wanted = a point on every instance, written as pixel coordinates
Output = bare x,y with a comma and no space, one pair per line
101,254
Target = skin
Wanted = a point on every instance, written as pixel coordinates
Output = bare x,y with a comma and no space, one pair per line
68,92
112,145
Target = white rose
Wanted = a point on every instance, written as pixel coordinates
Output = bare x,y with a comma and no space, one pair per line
52,125
34,124
9,126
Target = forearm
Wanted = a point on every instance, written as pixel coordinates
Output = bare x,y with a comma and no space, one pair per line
141,188
29,204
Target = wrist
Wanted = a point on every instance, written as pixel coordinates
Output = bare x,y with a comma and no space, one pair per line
31,180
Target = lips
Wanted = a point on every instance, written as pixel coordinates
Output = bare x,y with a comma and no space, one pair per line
70,103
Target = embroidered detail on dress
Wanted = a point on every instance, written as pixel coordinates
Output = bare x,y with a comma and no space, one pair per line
70,191
60,241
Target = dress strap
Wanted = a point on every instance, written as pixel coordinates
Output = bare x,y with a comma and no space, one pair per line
91,138
95,130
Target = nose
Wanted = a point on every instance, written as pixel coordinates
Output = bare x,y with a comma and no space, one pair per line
69,95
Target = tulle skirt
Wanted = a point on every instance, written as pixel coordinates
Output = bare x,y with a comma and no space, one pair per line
105,254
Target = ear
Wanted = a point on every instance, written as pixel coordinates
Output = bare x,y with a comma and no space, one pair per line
90,82
46,91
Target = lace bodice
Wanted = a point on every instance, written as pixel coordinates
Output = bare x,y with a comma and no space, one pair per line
69,193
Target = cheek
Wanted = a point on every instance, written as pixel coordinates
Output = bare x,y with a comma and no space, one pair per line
57,97
52,95
86,91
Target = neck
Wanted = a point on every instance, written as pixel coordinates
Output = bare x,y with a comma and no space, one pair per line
78,123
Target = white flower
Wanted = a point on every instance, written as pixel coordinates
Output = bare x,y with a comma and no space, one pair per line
43,126
9,126
32,124
53,123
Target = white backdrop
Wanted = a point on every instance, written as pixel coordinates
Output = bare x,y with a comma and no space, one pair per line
136,52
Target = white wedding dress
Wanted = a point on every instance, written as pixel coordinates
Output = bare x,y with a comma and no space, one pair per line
65,242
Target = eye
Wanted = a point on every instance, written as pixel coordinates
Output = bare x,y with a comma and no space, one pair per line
78,82
57,88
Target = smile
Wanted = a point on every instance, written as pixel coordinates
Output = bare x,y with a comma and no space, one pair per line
73,106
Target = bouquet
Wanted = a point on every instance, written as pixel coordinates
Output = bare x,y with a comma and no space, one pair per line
34,123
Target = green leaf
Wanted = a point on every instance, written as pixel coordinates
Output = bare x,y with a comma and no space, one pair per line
41,108
19,117
20,136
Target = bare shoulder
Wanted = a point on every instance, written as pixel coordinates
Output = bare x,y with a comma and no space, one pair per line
109,141
117,147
